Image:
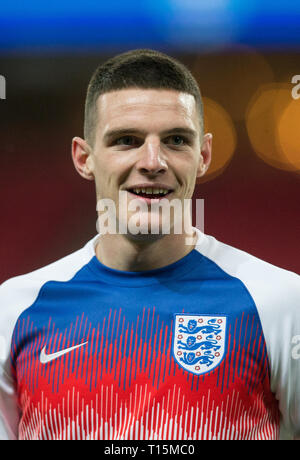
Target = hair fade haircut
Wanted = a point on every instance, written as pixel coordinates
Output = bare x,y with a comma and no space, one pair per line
141,68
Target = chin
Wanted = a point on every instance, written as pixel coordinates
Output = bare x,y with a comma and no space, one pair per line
144,238
145,231
150,226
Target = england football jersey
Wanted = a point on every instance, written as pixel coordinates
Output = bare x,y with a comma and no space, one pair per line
205,348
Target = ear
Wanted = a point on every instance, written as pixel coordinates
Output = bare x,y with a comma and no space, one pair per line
205,156
82,158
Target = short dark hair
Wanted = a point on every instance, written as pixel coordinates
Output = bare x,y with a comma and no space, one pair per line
141,68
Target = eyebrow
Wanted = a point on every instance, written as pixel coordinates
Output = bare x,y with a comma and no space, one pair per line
113,133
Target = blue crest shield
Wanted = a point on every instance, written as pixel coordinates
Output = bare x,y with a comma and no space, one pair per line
199,342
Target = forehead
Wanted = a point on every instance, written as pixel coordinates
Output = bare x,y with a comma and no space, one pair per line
151,106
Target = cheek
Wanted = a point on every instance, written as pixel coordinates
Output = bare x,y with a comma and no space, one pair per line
191,181
103,171
187,173
107,178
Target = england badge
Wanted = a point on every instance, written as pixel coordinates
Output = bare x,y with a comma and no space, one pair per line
199,342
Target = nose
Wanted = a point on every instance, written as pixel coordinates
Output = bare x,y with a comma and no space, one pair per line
152,159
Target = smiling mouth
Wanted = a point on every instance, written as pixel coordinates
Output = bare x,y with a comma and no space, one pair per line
150,193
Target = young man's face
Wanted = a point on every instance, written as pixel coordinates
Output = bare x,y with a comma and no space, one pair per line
146,139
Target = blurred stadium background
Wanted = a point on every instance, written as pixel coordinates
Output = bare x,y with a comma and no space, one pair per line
244,56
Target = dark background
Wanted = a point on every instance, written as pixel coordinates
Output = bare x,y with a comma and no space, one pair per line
48,210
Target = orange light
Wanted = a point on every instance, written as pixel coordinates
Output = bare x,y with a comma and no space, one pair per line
289,133
270,132
232,78
218,122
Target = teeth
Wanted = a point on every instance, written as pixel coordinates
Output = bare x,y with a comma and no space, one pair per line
150,191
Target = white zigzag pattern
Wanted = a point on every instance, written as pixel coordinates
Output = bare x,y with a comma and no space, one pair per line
142,420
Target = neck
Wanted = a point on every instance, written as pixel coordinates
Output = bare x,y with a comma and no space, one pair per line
123,253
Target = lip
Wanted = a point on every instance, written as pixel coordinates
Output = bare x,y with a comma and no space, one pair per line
148,185
149,200
157,185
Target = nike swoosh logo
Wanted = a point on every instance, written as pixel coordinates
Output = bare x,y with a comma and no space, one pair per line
44,358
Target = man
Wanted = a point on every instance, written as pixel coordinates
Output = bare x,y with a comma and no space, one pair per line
149,334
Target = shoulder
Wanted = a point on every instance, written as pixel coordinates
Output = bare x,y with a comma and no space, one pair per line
268,284
276,294
19,293
60,270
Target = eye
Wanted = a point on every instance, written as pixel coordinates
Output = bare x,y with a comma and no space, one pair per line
176,140
126,140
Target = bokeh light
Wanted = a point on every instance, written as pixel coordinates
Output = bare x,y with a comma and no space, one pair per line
218,122
271,120
289,133
233,78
